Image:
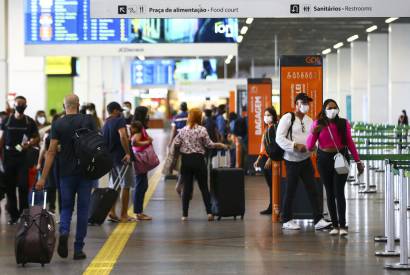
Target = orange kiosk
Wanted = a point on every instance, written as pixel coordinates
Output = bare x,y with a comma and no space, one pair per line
298,74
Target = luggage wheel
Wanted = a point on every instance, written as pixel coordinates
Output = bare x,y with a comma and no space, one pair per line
234,217
219,218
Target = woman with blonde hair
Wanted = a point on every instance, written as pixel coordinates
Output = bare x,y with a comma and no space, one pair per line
192,141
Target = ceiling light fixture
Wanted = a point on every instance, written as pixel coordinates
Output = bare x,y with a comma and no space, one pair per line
327,51
240,38
338,45
227,61
249,20
391,19
244,30
372,28
141,57
352,38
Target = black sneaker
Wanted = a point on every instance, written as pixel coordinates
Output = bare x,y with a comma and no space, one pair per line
12,221
79,255
266,212
62,249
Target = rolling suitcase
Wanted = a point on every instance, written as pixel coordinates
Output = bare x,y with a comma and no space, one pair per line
227,190
35,236
103,199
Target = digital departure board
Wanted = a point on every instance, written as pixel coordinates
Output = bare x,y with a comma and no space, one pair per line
69,22
152,72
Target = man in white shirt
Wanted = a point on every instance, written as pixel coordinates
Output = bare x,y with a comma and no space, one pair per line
291,136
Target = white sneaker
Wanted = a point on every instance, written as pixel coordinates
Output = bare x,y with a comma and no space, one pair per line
322,224
343,232
334,231
291,225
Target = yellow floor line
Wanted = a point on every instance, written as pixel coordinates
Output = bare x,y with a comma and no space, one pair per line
107,257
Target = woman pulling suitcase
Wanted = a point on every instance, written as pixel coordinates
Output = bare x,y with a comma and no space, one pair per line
192,142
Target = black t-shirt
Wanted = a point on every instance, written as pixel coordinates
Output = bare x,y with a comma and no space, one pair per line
14,131
112,137
63,130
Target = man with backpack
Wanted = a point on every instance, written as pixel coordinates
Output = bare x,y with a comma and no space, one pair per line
73,180
291,136
19,133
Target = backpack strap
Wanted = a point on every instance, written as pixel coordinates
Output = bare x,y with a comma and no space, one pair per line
292,120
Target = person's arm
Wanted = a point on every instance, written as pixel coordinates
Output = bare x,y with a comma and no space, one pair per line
50,156
34,136
125,144
350,144
173,134
312,137
42,154
208,143
136,140
283,129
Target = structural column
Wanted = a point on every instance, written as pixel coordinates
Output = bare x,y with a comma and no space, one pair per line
359,81
399,76
343,81
3,55
378,77
330,78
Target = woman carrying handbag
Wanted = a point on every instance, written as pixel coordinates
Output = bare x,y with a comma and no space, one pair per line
146,159
333,135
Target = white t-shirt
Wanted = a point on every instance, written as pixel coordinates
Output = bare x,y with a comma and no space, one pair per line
300,132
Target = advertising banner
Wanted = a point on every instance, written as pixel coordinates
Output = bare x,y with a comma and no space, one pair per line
246,8
259,98
301,74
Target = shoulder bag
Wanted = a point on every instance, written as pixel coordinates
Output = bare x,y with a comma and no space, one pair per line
342,166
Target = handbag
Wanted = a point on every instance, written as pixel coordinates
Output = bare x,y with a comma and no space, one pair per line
342,166
145,160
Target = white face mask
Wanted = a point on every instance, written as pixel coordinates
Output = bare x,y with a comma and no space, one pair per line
126,112
267,119
41,120
332,113
304,108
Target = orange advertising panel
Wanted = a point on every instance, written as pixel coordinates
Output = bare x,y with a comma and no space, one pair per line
301,74
232,101
259,98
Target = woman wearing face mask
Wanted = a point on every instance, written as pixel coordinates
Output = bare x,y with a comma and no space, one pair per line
41,119
333,134
270,120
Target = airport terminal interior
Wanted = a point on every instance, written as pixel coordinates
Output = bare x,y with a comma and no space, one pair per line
125,122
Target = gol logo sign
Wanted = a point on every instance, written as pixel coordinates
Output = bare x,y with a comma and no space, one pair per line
313,60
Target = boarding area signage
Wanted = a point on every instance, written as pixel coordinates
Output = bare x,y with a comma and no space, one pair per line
259,98
247,8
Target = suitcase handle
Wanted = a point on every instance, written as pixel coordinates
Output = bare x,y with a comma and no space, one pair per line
120,175
45,198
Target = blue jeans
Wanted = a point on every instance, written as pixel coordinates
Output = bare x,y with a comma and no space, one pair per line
69,187
139,194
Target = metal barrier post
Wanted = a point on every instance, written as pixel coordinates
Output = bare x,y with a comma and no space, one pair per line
367,189
389,224
404,246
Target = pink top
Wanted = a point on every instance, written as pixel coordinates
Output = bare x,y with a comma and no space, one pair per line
325,141
144,137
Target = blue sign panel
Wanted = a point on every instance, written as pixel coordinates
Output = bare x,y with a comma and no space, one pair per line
69,22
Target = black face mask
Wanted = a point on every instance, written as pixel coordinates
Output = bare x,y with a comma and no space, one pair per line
21,108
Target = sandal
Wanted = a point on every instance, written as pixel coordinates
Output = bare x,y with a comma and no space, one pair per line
143,217
114,219
127,219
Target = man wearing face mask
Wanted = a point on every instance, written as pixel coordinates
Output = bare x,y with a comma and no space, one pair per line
19,133
291,136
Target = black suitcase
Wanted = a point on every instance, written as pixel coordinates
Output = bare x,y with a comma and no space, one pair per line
103,199
35,236
301,204
228,192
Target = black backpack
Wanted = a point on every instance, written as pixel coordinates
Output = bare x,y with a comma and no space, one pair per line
274,151
93,156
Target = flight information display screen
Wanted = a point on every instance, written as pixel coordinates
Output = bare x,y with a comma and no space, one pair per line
69,22
152,72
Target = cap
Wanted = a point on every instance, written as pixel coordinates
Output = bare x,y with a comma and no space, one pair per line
304,97
112,106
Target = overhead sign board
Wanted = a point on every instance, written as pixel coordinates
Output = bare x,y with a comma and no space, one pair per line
246,8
